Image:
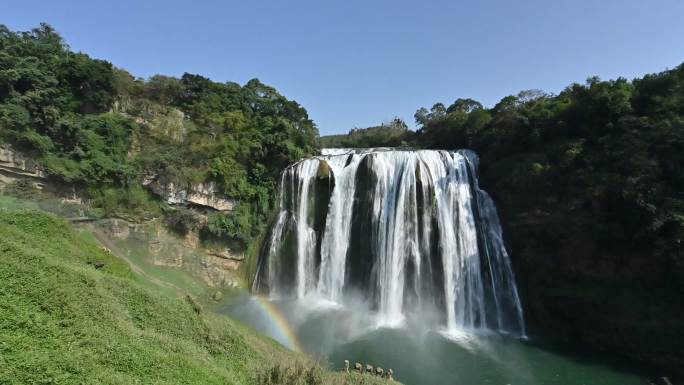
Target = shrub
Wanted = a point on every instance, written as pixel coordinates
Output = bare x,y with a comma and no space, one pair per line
180,220
292,374
20,188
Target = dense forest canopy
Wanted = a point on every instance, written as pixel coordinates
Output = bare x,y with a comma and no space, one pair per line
94,125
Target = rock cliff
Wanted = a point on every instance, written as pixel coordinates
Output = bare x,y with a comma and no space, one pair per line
201,194
583,294
14,165
214,265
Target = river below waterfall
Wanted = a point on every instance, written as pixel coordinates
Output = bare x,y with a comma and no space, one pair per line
421,356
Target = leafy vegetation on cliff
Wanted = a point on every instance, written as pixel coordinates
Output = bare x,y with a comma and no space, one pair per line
97,127
71,313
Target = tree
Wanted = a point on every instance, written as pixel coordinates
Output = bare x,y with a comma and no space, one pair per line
464,105
423,117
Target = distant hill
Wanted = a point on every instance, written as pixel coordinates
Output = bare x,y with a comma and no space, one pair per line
393,134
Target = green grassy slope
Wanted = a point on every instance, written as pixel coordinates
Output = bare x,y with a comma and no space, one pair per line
65,321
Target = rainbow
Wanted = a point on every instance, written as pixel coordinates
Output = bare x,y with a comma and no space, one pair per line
287,336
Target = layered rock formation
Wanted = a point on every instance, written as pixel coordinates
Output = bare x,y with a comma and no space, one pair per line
216,266
14,165
201,194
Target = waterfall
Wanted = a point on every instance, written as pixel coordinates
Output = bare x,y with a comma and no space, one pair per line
409,230
335,239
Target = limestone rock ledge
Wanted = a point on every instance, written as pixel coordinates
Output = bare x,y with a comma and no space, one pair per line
14,166
201,194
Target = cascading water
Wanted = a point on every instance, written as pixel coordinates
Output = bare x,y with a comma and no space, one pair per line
407,229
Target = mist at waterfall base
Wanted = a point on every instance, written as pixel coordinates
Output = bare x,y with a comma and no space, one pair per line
396,258
421,355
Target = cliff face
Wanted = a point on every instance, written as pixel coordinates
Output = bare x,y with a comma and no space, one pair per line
215,265
14,165
581,293
201,194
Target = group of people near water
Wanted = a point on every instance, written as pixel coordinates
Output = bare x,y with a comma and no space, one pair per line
369,369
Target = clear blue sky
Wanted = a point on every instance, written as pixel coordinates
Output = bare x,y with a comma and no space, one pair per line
355,63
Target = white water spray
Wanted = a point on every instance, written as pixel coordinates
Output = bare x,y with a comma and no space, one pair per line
430,237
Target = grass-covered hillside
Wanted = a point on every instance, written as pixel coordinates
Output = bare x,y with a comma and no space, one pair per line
71,313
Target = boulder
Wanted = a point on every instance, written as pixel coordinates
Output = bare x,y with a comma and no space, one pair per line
217,296
207,194
323,170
